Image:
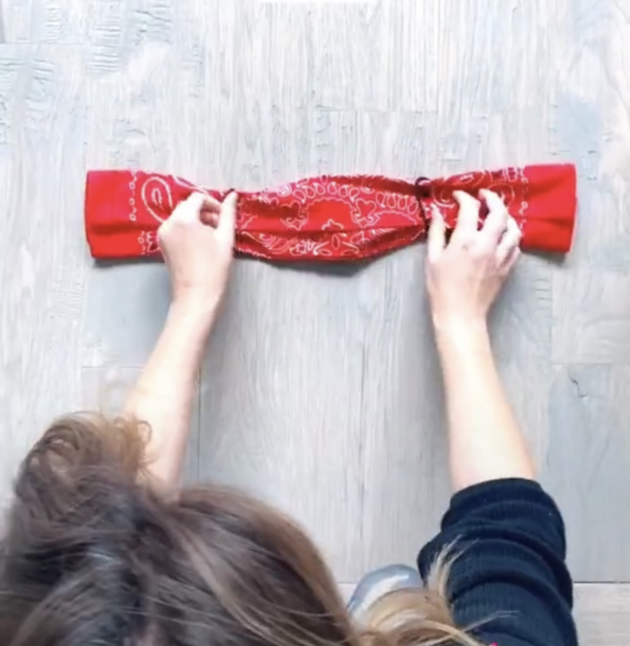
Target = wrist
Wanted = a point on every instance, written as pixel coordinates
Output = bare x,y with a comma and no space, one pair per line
461,333
193,313
460,325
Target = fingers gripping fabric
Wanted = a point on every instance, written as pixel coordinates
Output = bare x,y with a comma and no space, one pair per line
330,218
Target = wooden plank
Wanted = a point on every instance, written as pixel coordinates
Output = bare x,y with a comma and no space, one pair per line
602,614
42,255
587,457
153,105
592,316
586,467
44,21
591,312
3,33
282,401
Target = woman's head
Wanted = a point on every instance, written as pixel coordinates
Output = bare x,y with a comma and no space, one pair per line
94,555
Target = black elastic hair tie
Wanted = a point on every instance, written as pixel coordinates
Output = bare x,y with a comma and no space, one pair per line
423,191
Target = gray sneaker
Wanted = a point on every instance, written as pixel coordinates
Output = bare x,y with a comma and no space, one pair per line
379,583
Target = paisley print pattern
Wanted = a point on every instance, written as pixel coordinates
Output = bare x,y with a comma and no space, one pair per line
329,218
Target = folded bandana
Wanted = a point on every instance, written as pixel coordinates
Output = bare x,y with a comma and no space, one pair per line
330,218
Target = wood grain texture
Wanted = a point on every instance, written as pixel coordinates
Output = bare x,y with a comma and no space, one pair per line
3,33
282,413
587,460
602,614
44,21
321,390
591,314
586,467
591,125
151,105
42,260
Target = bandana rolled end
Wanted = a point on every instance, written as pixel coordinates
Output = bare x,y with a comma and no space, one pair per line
550,217
111,221
124,210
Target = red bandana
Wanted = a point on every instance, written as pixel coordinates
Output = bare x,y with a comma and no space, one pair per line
328,218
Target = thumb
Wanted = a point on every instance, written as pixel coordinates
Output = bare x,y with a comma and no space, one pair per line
191,207
436,240
227,216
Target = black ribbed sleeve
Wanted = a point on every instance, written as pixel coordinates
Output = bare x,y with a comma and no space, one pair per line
511,569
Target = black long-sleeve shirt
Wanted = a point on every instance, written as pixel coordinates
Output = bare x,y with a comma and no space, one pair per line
511,570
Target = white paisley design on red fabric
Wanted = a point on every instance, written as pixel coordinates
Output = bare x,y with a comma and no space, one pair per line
293,219
506,182
308,200
332,217
156,195
156,192
149,245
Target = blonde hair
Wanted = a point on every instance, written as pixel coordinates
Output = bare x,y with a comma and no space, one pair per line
94,554
418,616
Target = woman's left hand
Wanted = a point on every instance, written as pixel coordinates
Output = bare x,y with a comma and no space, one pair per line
197,243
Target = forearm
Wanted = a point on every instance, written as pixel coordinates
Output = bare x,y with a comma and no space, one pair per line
484,437
163,396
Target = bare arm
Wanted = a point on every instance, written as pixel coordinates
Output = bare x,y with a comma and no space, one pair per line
465,277
485,440
198,255
163,396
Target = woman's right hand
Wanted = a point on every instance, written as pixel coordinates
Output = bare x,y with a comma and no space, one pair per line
197,243
465,276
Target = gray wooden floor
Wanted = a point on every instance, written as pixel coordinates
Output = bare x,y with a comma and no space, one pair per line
321,391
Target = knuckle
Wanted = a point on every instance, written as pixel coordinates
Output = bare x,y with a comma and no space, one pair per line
433,260
513,236
481,250
466,199
494,197
164,229
477,243
468,240
473,202
499,209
